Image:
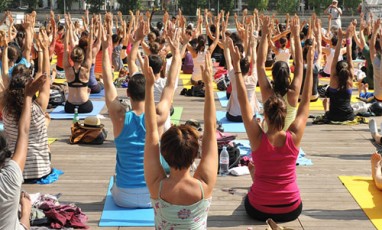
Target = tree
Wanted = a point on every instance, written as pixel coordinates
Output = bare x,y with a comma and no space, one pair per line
287,6
189,7
4,5
351,5
226,5
261,5
30,3
126,5
318,5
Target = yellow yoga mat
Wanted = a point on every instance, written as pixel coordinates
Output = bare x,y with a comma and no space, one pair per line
368,197
51,140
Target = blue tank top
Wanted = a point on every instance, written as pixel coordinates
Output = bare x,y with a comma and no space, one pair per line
130,147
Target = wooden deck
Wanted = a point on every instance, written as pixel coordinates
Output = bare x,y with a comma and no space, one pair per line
334,150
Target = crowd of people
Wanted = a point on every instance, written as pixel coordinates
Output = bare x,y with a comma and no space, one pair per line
160,155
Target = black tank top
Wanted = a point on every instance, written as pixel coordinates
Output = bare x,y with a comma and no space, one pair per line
77,83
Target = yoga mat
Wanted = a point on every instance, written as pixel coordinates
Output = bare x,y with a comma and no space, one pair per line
114,216
175,118
51,140
230,127
366,195
59,113
222,96
97,95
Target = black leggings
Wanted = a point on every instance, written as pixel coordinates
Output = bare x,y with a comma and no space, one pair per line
233,118
261,216
86,107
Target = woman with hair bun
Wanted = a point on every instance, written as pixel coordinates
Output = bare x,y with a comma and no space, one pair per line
274,192
337,106
77,75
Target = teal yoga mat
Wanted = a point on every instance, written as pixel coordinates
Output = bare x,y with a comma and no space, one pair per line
230,127
114,216
222,96
59,112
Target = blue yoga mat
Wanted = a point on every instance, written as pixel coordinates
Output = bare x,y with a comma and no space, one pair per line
113,216
59,112
229,127
98,95
222,96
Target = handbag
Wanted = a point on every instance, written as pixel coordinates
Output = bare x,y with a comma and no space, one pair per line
87,135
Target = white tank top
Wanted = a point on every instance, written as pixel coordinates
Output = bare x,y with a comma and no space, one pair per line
329,60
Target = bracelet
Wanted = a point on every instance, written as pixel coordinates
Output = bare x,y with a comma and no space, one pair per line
124,47
348,41
236,73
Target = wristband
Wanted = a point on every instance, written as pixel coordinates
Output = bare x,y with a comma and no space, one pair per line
348,41
124,47
236,73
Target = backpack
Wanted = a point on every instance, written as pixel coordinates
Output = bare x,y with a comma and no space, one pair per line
57,95
223,82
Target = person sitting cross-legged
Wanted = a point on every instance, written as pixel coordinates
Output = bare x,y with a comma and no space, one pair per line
129,189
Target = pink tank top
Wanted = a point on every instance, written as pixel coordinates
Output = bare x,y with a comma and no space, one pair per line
275,185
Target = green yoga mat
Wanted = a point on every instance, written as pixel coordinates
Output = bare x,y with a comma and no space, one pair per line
175,118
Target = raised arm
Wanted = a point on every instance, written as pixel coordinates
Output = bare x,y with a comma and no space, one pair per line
298,126
115,108
140,34
227,54
89,54
265,86
4,62
153,169
208,166
65,61
21,149
373,52
295,86
333,71
212,47
44,93
28,26
251,126
163,107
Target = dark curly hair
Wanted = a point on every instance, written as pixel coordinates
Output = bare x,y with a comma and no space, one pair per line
14,95
5,153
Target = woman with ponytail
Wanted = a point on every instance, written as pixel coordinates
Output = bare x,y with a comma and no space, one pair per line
274,192
282,84
337,105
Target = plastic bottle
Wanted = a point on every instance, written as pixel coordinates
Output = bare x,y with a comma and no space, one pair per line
224,162
75,117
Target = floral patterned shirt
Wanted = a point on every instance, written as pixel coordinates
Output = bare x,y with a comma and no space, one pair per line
170,216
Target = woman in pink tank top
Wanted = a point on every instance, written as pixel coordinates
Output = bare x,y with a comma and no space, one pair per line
274,192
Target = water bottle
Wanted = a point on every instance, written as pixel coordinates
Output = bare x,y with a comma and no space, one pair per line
75,117
224,162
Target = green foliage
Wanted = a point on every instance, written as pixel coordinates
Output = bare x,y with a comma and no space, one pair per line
287,6
261,5
226,5
352,5
319,5
126,5
4,5
189,6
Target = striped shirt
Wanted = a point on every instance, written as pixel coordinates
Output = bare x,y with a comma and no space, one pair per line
37,163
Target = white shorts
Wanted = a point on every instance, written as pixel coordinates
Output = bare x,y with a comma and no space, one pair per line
131,197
